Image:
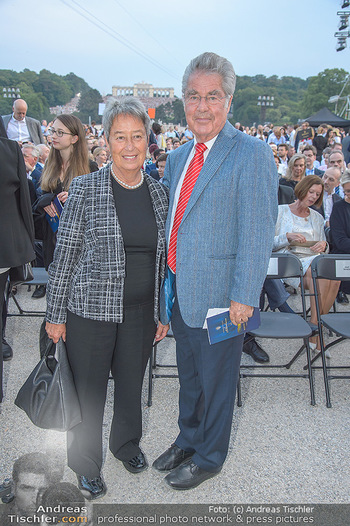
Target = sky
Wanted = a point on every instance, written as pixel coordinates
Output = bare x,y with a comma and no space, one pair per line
118,42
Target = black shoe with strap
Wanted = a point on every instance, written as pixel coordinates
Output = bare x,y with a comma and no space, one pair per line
136,464
92,488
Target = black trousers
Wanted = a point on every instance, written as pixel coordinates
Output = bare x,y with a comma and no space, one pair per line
3,280
94,349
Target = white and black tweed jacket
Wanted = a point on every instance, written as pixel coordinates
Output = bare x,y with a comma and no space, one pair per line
88,269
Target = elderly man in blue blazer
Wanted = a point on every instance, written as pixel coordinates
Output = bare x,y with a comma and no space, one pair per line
220,227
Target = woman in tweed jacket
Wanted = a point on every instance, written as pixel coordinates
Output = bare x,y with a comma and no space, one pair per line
103,292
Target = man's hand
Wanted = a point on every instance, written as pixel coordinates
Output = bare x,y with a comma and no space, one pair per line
240,313
55,331
162,331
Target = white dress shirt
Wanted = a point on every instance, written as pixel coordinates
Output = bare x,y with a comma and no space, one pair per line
17,130
327,205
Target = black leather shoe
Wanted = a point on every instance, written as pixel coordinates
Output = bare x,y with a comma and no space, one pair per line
136,464
171,458
256,352
188,475
39,292
7,351
342,297
92,488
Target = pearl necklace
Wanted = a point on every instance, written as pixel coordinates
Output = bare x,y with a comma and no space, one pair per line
124,184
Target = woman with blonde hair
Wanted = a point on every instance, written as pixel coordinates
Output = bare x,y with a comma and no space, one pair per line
295,171
67,159
100,156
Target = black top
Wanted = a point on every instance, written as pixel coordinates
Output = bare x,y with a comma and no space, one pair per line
43,231
139,230
340,227
288,182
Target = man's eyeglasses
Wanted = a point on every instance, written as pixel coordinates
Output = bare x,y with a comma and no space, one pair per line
59,133
211,100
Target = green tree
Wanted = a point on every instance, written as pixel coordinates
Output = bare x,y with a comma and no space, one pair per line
77,84
88,106
321,87
171,112
54,88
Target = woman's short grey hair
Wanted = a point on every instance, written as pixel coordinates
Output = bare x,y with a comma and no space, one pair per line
345,178
124,106
212,63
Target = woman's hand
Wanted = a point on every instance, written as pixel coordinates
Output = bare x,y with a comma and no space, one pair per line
298,238
55,331
162,331
63,196
320,246
51,210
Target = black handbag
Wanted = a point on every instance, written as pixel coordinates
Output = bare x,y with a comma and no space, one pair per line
48,396
21,274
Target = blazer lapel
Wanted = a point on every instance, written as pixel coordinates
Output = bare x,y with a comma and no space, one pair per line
224,143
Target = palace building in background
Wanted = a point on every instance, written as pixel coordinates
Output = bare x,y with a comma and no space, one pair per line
151,96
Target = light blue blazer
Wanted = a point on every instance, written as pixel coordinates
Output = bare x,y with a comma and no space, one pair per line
225,238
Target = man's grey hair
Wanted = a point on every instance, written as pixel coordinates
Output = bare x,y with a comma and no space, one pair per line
345,178
212,63
334,152
41,148
34,149
124,106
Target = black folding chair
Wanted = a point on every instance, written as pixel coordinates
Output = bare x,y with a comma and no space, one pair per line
282,325
40,278
153,365
333,267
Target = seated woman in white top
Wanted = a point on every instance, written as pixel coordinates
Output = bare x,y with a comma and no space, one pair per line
298,225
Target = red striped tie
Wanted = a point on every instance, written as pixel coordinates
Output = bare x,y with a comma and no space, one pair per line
189,181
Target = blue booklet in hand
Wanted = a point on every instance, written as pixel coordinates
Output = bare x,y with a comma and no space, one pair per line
220,327
55,220
169,291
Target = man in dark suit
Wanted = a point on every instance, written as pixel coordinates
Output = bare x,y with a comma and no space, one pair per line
219,249
21,128
331,180
2,129
16,220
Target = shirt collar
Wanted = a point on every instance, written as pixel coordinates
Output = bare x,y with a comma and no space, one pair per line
15,120
209,144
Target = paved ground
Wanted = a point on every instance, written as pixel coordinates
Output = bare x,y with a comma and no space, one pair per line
282,449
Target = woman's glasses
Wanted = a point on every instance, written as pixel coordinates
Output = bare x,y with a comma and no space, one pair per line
59,133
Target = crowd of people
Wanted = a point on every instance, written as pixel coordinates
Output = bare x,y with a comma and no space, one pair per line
115,252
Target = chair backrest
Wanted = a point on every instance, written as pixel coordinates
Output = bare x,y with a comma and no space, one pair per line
331,266
284,266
